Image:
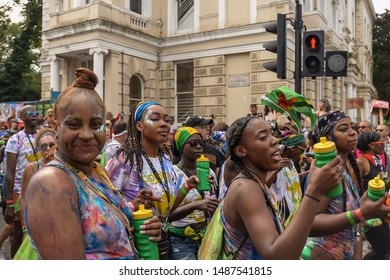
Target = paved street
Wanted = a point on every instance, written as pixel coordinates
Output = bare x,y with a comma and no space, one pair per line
6,248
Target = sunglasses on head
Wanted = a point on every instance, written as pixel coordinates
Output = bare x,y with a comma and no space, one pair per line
31,113
195,143
44,147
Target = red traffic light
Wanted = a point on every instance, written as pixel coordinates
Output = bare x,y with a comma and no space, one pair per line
312,42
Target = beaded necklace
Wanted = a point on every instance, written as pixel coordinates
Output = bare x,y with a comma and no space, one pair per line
164,183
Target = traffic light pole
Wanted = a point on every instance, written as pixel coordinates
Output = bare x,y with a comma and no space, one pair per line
298,24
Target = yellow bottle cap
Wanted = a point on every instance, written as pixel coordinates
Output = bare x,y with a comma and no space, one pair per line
324,146
202,158
376,184
142,213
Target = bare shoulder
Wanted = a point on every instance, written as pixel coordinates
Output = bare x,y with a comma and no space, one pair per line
51,181
244,192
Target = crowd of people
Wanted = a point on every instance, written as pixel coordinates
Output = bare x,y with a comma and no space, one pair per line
78,178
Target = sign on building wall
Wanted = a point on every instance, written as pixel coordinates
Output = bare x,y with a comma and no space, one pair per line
355,103
239,80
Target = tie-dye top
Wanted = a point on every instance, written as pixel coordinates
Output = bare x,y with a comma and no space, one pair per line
340,245
127,180
287,190
104,234
20,145
196,216
233,239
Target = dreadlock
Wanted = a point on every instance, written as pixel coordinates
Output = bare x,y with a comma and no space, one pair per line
234,135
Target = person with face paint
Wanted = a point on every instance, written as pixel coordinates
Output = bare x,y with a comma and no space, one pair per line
252,226
142,165
335,229
20,152
72,210
191,216
44,141
372,145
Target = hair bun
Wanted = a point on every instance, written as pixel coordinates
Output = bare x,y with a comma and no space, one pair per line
85,78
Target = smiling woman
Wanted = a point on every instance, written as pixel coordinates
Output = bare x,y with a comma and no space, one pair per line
67,201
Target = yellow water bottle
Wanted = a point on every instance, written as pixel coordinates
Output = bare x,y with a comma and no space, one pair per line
324,152
147,249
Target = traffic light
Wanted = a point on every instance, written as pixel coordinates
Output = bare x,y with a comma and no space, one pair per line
336,63
313,53
278,46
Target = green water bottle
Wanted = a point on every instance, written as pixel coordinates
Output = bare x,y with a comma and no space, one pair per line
147,249
203,173
376,189
324,152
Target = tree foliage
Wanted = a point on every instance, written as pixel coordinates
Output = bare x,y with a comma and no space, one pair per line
381,55
19,70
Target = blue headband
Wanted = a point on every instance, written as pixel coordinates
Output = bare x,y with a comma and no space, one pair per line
142,107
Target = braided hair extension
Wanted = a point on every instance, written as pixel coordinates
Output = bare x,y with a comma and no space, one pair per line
353,162
132,145
234,135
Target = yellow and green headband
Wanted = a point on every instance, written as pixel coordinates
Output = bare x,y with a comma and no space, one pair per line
182,135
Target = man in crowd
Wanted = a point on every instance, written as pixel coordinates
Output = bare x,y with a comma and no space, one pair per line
20,151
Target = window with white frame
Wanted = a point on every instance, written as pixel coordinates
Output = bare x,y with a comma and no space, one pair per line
87,64
306,5
136,6
185,14
321,7
184,90
78,3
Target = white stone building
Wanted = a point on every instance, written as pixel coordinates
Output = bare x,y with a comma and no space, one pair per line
199,57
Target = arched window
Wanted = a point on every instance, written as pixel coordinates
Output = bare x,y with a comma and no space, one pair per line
136,90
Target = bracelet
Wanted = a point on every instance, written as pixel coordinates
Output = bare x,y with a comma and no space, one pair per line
312,197
24,230
183,190
131,206
187,187
10,206
360,215
350,219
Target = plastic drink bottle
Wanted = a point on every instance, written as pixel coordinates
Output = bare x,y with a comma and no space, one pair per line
203,173
376,189
324,152
147,249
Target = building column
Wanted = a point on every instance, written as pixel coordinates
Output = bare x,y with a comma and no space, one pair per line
98,67
54,73
350,112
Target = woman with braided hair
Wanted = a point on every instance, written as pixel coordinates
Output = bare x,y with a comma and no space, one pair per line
72,210
142,165
371,145
252,227
336,225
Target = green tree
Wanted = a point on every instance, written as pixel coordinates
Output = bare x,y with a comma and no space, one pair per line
19,72
381,55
